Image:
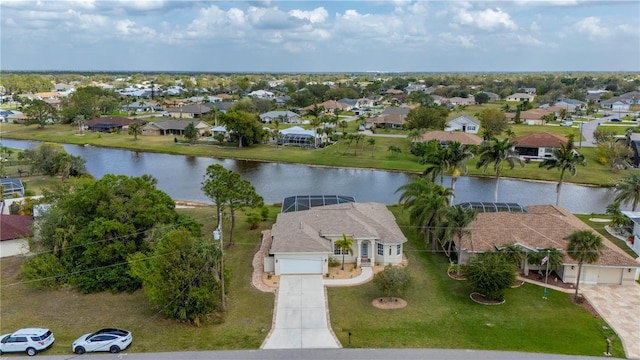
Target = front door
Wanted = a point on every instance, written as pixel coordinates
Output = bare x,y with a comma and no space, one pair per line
365,250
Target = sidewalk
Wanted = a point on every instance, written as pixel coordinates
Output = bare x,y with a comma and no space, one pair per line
365,276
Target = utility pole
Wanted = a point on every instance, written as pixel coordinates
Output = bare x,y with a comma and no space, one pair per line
217,236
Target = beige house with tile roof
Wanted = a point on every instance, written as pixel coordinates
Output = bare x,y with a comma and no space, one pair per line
539,145
542,227
304,241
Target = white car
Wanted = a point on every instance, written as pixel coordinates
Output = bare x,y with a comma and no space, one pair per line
109,339
28,340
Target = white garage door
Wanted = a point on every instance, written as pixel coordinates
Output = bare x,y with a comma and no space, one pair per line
301,266
589,275
610,276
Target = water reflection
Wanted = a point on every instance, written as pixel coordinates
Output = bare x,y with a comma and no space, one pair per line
181,177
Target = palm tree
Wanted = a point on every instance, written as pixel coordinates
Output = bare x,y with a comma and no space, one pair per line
135,129
372,142
498,152
628,190
565,158
426,203
618,219
584,247
513,254
316,112
457,155
457,220
345,246
436,159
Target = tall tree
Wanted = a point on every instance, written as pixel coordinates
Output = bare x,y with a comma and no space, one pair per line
498,152
426,203
584,247
181,278
345,245
565,158
628,190
457,156
39,112
493,121
191,133
457,220
316,112
135,129
427,117
229,190
436,159
243,127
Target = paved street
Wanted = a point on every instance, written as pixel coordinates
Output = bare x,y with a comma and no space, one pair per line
323,354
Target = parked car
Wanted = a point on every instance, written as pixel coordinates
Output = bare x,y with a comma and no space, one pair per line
108,339
566,123
166,114
28,340
615,120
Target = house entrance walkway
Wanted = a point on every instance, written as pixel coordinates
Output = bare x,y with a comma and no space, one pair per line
620,307
301,318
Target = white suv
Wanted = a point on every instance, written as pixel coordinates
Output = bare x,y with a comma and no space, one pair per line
29,340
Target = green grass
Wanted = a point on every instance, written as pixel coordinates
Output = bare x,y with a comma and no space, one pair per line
599,227
70,314
440,314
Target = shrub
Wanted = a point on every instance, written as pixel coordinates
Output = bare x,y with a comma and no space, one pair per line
490,274
333,262
393,281
43,271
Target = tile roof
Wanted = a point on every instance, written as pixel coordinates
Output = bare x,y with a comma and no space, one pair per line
452,136
311,230
15,227
543,226
541,140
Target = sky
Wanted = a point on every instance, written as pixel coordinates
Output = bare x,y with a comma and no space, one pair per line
320,36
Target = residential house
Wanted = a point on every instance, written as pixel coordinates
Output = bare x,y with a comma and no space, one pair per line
174,127
570,104
282,100
529,90
298,136
633,241
284,117
191,111
622,102
456,101
393,117
464,123
221,106
446,137
538,145
535,116
520,97
262,94
15,231
11,187
492,96
110,124
351,102
329,105
547,227
141,106
304,241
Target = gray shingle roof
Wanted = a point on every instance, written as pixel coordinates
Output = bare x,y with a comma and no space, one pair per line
311,230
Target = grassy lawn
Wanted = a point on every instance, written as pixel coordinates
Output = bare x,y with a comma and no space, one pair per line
440,314
70,314
364,156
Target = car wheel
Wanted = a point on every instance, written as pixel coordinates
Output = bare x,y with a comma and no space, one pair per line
31,351
80,350
114,349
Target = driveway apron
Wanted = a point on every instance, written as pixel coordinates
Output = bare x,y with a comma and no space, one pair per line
619,306
301,315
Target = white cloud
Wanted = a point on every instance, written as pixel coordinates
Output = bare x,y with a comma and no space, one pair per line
487,19
590,26
455,40
317,15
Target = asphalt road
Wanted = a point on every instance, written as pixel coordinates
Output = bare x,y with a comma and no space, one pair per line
322,354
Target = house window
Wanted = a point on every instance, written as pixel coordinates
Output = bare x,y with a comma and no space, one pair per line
398,249
471,127
337,250
380,249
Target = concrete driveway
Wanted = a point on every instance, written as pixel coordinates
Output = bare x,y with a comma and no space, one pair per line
301,320
619,306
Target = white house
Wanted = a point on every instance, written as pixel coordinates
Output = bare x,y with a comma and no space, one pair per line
304,241
463,123
14,233
634,242
284,117
520,97
262,94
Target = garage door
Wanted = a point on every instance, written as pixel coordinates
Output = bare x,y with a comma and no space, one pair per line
610,276
589,275
301,266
